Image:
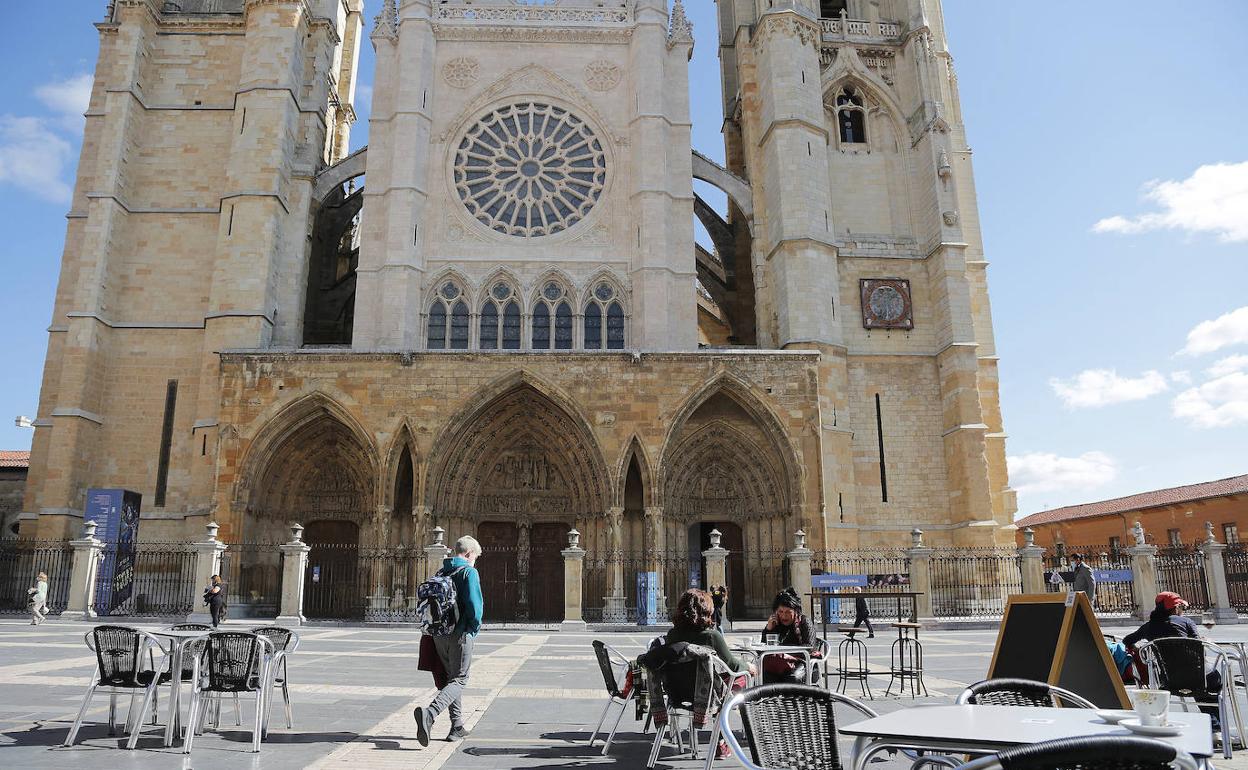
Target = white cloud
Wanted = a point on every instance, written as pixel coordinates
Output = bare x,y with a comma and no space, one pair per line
1214,199
1227,365
1181,378
1218,403
1047,472
1101,387
34,158
363,99
1223,331
68,98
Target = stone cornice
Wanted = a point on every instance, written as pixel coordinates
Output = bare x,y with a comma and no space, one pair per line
533,34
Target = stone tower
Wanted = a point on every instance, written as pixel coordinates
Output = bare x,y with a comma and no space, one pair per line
843,117
208,121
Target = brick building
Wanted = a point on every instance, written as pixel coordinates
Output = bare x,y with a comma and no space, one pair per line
13,469
1174,516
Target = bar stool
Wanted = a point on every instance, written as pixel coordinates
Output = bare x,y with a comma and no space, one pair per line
851,661
906,660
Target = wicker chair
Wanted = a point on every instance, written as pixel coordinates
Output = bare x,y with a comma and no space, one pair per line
125,664
1020,692
232,663
284,643
1177,664
1100,752
793,727
608,660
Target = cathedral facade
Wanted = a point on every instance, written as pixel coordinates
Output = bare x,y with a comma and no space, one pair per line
495,318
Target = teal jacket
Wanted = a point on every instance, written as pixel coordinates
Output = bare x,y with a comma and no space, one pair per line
467,595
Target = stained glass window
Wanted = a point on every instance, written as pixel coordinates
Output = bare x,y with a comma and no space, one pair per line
541,327
593,326
615,326
511,326
489,326
437,325
563,326
459,326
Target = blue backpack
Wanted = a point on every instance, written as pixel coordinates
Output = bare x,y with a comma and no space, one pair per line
437,607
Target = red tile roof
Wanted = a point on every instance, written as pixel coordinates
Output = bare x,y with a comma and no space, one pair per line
14,459
1172,496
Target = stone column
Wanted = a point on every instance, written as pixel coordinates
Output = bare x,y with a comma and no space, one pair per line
207,563
717,569
379,598
524,545
294,569
1143,573
799,568
86,566
656,549
920,575
436,551
613,610
573,562
1215,578
1031,562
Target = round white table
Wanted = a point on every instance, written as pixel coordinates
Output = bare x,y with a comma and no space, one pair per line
178,640
759,650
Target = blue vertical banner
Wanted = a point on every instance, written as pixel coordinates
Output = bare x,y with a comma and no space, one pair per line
116,516
647,598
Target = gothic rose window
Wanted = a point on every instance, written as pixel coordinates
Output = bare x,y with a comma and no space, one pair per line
851,117
552,305
448,319
529,170
604,304
500,318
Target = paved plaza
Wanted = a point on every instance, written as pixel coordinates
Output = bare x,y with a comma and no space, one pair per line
535,696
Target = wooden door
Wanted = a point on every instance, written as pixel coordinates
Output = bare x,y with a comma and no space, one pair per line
498,567
735,567
546,571
332,584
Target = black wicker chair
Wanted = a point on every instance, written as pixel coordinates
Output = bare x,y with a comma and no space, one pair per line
1020,692
125,664
1177,664
284,643
232,663
1100,752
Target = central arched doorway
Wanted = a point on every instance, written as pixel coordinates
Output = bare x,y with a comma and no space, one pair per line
518,473
330,583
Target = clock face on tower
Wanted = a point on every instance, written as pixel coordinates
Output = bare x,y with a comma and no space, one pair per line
529,169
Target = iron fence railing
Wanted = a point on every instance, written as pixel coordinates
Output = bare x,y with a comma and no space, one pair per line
882,570
22,560
1235,563
147,579
252,573
1181,569
1113,597
972,582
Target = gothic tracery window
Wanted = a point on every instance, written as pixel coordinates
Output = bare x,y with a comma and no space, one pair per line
448,319
552,318
851,117
604,306
500,318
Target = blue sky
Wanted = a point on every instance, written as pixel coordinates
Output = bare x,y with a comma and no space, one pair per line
1111,159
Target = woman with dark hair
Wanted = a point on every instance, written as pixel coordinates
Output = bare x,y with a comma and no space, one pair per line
214,597
793,630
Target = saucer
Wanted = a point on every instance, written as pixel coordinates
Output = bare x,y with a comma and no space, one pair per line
1160,730
1114,716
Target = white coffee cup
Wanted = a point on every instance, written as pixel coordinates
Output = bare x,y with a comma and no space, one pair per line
1151,705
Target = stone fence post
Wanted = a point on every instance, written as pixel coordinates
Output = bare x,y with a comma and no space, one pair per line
717,569
1215,578
1031,563
294,569
435,552
207,563
82,574
1143,573
920,575
799,569
573,564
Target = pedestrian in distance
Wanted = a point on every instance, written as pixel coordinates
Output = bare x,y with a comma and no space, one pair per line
214,597
1083,579
862,614
37,599
719,595
450,608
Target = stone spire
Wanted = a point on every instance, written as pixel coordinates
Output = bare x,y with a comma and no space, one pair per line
681,30
387,22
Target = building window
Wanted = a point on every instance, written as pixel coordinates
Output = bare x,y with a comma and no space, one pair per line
851,117
832,9
500,319
448,319
604,304
552,305
1230,533
1175,537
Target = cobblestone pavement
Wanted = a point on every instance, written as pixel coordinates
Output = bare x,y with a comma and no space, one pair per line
534,698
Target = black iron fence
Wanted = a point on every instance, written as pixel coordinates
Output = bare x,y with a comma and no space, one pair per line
1181,569
882,570
972,582
150,579
1235,561
252,573
22,560
1113,596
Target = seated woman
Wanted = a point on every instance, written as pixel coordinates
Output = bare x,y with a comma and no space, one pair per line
793,630
1167,620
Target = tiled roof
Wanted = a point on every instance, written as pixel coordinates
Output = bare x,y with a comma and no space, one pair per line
1172,496
14,459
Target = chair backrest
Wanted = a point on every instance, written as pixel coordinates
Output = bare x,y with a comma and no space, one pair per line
603,654
790,726
232,659
119,652
1179,662
190,627
280,637
1019,692
1100,752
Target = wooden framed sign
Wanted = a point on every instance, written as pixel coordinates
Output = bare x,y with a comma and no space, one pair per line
1045,639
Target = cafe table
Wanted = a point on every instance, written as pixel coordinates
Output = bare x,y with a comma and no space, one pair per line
760,650
178,640
970,729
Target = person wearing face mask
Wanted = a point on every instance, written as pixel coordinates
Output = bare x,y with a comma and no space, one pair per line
793,629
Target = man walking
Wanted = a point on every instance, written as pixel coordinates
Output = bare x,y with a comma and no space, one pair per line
861,612
1083,579
455,649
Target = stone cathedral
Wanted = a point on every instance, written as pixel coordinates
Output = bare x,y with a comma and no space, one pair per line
495,319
